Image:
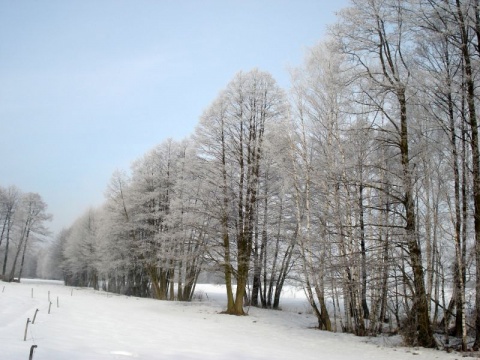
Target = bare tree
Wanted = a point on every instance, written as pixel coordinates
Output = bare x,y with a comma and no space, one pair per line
375,35
231,134
10,201
33,217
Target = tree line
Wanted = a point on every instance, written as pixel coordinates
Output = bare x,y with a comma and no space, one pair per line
361,182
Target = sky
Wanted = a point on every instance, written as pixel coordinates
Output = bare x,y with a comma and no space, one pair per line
89,86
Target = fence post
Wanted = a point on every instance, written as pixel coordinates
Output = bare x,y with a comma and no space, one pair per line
33,347
34,317
26,328
49,306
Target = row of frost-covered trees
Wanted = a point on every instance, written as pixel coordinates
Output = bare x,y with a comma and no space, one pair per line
362,183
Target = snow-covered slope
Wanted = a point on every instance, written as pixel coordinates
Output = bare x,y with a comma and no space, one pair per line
94,325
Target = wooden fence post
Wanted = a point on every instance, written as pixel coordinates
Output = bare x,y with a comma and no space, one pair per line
33,347
26,328
34,317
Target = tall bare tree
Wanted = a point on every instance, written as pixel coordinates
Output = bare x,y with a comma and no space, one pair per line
376,36
231,134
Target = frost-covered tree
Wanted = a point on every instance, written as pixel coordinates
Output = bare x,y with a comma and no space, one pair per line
377,37
10,199
51,258
275,242
230,137
31,217
188,221
81,251
148,239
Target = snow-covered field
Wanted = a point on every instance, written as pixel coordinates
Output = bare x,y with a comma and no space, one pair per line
94,325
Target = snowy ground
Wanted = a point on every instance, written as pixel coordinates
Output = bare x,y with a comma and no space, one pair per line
95,325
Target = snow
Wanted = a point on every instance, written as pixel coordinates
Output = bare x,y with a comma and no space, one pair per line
93,325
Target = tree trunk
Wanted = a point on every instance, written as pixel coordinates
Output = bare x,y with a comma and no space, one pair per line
7,243
224,221
23,256
425,334
460,327
470,84
366,312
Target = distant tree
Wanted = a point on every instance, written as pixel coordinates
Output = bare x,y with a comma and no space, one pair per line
9,201
32,218
81,251
151,236
51,258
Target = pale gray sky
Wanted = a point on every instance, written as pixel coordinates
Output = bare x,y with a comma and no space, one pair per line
88,86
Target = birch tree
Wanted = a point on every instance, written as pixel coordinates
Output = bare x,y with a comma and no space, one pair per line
376,37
